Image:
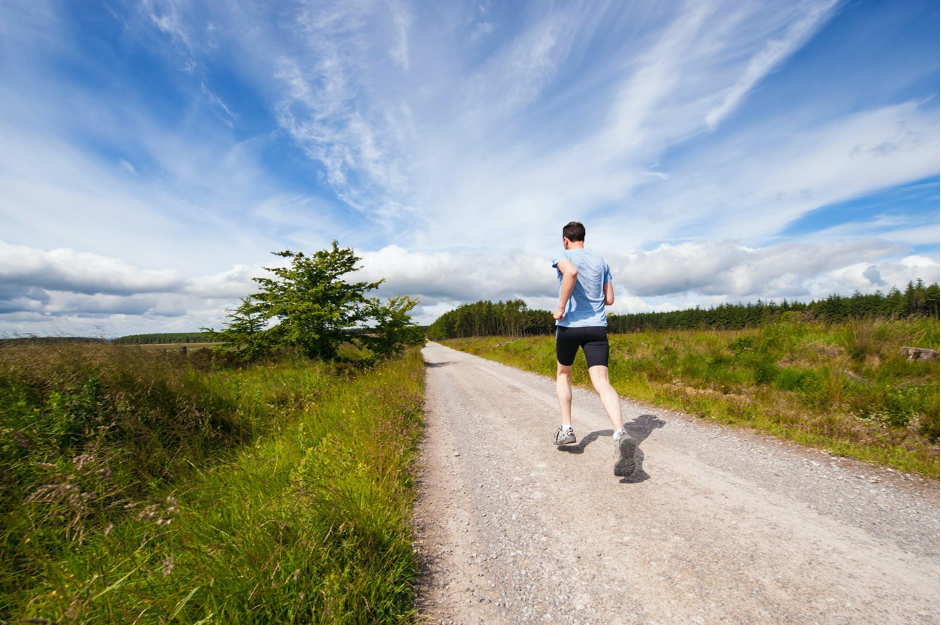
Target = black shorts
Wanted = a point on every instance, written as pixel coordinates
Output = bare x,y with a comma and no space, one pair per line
593,341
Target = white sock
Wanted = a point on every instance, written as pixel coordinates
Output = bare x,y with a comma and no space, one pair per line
566,427
617,434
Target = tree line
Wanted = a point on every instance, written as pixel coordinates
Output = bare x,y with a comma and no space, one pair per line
513,318
486,318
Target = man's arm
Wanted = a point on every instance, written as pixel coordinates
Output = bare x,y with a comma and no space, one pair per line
608,294
569,273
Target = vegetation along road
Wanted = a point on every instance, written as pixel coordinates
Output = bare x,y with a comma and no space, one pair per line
715,525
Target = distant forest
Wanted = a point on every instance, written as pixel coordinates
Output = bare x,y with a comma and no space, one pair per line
191,337
513,318
19,340
171,337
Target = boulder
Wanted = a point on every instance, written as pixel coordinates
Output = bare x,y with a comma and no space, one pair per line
919,353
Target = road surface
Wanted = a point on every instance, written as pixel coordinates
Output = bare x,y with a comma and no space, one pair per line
715,526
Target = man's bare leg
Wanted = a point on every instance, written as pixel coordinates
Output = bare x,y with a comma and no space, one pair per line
624,445
563,390
609,396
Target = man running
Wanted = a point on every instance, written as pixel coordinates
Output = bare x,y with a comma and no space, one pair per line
585,288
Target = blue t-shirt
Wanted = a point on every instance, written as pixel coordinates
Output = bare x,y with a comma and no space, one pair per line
585,308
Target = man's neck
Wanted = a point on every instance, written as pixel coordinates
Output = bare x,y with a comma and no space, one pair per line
576,245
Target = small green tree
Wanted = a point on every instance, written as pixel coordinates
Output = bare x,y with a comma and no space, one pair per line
313,306
393,328
245,329
308,305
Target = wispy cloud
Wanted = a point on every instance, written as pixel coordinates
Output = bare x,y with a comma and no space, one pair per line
401,20
811,18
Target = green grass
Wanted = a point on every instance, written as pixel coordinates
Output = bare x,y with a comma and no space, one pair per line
143,488
843,387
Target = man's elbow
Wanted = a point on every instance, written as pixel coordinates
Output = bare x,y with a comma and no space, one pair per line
609,301
571,273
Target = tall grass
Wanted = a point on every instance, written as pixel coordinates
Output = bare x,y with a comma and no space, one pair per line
139,488
842,387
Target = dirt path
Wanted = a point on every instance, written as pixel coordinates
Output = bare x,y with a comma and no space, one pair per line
715,526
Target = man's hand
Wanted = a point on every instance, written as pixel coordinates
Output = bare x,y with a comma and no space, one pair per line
559,313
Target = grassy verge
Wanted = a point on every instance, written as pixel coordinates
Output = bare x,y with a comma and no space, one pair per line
278,492
844,387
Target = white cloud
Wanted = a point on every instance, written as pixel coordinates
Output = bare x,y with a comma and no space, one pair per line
884,275
464,277
80,272
730,269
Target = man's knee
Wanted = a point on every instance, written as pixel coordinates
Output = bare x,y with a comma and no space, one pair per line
563,371
599,376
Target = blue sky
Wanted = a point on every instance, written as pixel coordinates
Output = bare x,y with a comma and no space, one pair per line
153,152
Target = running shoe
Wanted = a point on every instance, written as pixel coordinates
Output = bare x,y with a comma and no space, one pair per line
624,447
564,437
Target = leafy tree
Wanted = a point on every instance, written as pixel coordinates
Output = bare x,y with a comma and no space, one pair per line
313,306
245,329
393,328
307,305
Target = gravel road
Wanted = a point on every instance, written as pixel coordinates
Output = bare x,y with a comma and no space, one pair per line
717,525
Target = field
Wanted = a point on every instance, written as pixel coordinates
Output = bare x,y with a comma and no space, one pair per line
845,388
143,487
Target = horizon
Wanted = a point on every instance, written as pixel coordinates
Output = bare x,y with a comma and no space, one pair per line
156,152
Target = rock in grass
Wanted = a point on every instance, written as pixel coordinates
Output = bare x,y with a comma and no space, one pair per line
856,377
919,353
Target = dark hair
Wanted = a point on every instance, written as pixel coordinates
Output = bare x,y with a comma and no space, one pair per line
574,231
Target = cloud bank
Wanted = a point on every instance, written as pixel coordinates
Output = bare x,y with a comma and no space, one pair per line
77,287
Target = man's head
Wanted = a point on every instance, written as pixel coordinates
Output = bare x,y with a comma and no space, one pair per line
573,232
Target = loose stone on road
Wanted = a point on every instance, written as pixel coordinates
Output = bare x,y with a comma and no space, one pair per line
715,526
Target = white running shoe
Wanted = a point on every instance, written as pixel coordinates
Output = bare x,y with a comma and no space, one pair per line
624,447
564,436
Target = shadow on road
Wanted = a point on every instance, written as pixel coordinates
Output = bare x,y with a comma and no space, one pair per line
433,365
639,429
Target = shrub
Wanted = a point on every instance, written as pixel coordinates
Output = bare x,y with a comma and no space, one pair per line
800,380
860,336
765,372
904,404
929,423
